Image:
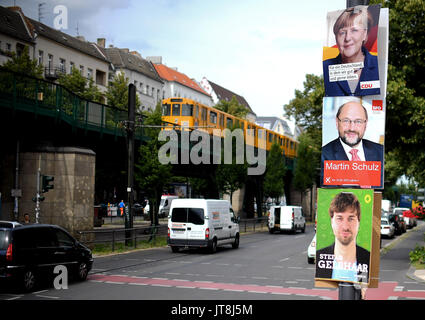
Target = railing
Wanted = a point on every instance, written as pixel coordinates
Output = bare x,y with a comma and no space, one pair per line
113,236
42,97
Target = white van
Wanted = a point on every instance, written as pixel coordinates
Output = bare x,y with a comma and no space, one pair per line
165,205
202,223
286,218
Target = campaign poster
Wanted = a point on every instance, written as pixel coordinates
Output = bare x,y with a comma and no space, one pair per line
350,52
344,235
353,142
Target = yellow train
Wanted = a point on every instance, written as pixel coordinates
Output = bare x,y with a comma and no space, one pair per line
183,112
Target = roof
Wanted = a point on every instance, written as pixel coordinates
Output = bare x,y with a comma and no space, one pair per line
122,59
227,95
66,40
12,24
272,120
173,75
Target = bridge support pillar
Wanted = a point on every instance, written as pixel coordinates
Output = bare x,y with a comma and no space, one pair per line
70,204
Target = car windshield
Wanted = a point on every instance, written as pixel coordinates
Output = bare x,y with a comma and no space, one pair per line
4,239
384,222
6,225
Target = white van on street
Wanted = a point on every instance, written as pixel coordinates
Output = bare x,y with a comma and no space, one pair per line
165,205
286,218
199,223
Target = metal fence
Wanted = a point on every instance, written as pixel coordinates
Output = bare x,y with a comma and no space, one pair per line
133,236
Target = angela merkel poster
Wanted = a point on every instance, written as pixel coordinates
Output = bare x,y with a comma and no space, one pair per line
350,54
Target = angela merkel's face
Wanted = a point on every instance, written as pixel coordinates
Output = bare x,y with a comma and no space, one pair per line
350,40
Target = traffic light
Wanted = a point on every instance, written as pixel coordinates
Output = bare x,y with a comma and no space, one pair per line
46,186
40,198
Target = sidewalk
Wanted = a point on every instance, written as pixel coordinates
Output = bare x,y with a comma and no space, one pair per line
418,237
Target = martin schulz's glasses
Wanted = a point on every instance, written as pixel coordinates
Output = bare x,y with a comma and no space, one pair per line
347,122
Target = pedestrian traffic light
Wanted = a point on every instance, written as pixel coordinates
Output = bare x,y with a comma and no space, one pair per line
46,186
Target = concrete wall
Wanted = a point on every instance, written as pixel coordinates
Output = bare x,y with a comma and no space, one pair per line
70,203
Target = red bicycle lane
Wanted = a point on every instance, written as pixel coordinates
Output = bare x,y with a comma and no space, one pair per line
385,290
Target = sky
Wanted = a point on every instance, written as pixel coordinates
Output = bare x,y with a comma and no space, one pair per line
261,50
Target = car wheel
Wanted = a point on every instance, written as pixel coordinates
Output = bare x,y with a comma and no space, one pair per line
174,249
82,271
310,260
235,244
303,229
271,230
28,280
213,248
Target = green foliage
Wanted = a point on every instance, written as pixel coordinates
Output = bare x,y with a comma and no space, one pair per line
231,177
81,86
417,255
24,65
307,162
405,123
232,107
117,93
275,173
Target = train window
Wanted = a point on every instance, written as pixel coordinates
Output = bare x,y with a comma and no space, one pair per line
221,117
213,117
196,111
187,110
166,109
292,145
229,123
204,114
176,110
270,137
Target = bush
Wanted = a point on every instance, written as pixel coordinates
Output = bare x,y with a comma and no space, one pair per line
417,255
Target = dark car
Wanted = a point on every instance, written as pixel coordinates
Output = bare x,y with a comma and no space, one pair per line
396,222
30,253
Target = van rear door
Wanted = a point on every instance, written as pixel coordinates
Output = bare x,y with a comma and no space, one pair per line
187,224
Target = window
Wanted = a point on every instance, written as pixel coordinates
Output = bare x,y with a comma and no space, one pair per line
71,66
64,240
8,47
153,90
166,109
213,117
89,73
229,123
62,65
50,60
188,215
81,69
147,90
187,110
176,110
40,57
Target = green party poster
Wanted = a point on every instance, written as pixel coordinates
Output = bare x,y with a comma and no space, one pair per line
344,234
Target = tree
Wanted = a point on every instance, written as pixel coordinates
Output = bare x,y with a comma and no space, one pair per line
308,162
275,172
405,123
150,174
232,107
24,64
81,86
117,93
231,177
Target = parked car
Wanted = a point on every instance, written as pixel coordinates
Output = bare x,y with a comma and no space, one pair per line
387,228
311,251
138,209
9,224
410,221
30,253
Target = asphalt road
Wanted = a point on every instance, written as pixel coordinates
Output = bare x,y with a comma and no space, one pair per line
265,267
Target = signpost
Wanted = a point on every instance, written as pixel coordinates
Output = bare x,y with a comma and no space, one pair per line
352,157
